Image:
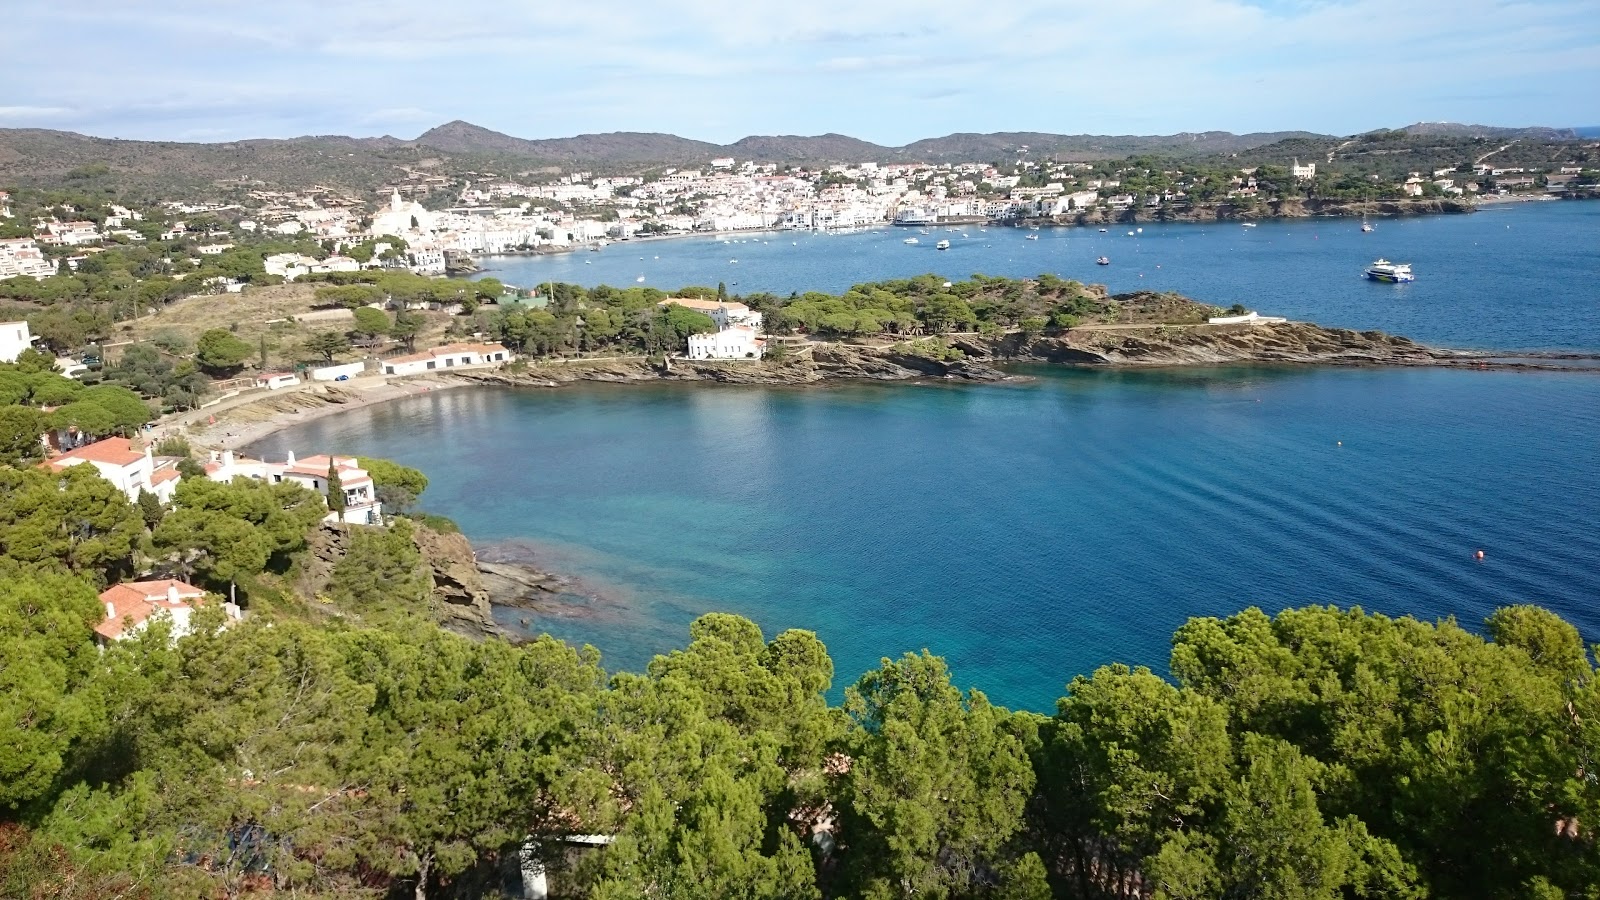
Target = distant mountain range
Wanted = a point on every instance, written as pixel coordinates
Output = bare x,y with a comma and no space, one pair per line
634,147
40,156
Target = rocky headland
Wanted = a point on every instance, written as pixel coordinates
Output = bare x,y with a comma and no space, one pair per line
1274,209
977,357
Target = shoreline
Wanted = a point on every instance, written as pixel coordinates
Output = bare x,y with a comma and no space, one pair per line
259,416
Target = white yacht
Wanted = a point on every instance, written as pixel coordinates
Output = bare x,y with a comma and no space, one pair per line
910,241
942,245
1393,273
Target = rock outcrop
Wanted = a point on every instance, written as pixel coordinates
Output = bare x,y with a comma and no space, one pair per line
1187,345
460,599
460,596
978,356
1276,209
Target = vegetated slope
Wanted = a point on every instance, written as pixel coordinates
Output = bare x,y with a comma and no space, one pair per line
985,147
798,148
45,157
1395,153
1456,129
615,147
39,156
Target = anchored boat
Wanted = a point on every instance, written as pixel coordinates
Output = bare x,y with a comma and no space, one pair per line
1393,273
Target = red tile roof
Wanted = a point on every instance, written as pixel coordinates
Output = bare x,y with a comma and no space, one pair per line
111,451
133,603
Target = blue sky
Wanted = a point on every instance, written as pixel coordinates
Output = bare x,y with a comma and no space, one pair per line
889,71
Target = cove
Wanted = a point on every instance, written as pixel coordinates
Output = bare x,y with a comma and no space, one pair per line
1028,532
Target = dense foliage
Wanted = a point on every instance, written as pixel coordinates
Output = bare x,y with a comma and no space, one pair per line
352,748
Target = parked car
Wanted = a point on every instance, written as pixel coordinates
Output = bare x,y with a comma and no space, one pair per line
342,378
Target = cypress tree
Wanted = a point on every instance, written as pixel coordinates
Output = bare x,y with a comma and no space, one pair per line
335,489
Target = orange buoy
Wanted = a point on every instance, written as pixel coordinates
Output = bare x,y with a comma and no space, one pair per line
1478,555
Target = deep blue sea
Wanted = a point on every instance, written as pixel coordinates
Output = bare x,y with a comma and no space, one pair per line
1030,532
1513,277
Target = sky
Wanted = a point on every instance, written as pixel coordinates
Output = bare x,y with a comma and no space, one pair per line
887,71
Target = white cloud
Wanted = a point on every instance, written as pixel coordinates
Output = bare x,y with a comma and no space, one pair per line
890,71
34,112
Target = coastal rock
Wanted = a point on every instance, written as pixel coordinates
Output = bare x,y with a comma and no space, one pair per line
1277,209
459,594
1179,345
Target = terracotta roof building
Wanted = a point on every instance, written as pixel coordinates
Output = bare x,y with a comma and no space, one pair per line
131,606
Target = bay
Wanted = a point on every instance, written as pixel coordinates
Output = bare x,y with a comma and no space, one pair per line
1514,277
1028,532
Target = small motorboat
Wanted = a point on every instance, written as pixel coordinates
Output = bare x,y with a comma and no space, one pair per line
1033,237
910,241
1102,231
942,245
1249,224
1103,261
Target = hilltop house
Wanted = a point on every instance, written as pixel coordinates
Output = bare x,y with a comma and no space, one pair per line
130,470
132,606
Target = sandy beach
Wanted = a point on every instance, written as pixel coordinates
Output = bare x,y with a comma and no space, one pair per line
240,420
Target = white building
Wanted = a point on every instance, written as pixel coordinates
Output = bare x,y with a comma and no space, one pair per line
736,342
426,259
22,256
129,470
289,265
14,338
361,504
71,233
131,607
1305,172
400,218
450,356
272,381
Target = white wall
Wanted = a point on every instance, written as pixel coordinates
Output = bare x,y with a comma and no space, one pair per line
329,373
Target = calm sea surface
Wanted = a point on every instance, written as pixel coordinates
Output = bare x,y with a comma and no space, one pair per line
1030,532
1515,277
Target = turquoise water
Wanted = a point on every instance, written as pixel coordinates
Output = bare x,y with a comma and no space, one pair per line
1028,532
1517,277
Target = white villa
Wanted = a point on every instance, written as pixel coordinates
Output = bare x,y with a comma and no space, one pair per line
1303,173
130,470
293,265
14,338
738,330
131,607
736,342
449,356
361,504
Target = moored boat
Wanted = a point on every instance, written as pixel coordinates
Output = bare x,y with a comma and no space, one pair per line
1103,261
942,245
910,241
1393,273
